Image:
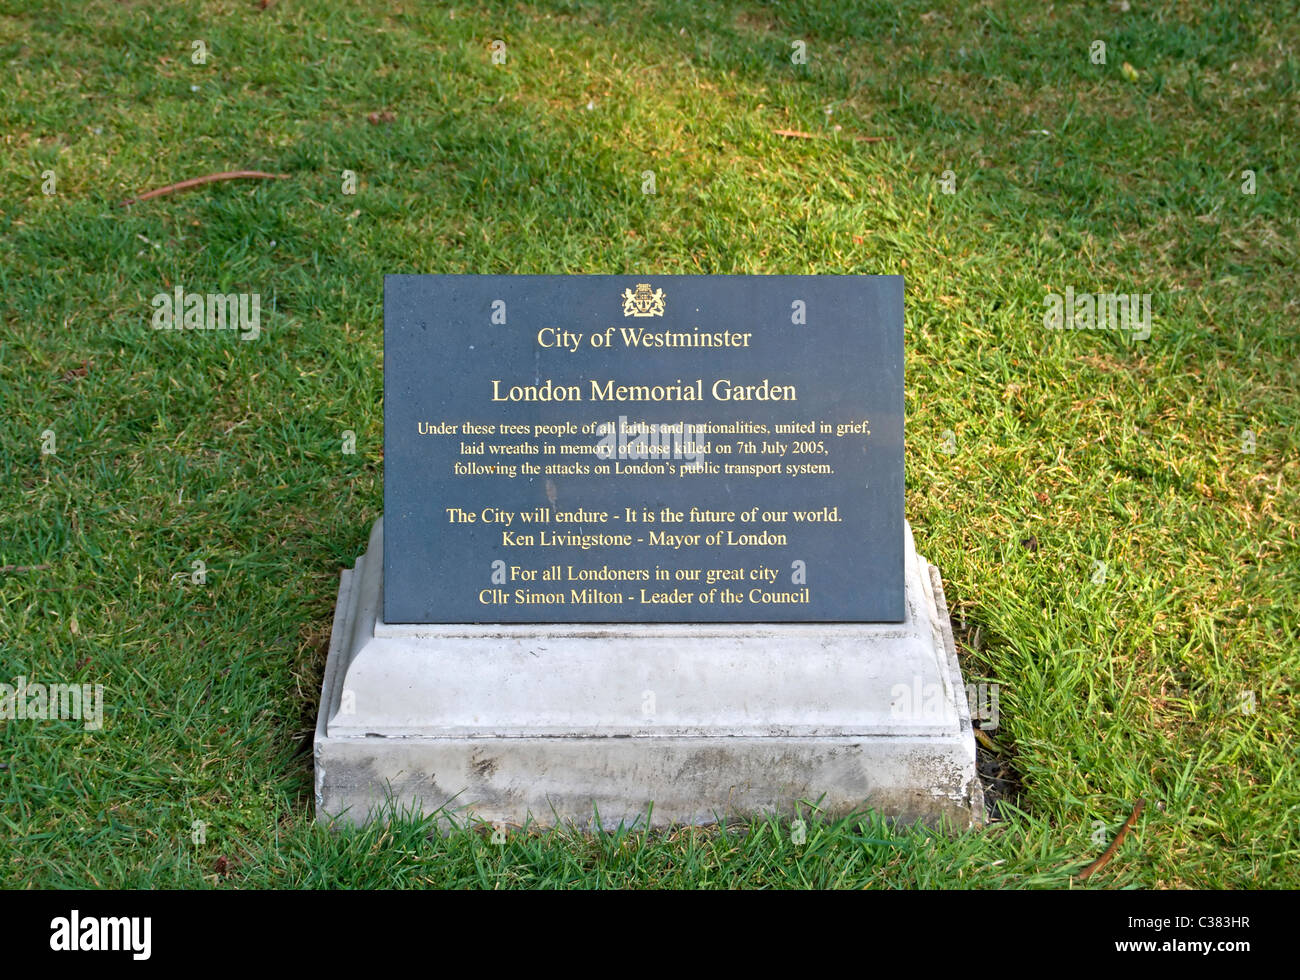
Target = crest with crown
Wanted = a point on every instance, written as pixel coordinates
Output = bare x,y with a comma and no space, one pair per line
643,301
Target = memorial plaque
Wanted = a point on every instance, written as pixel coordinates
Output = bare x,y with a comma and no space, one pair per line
607,449
643,557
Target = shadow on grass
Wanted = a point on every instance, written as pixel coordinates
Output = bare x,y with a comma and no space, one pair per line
995,753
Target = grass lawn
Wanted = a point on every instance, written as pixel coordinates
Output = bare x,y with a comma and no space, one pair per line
1116,518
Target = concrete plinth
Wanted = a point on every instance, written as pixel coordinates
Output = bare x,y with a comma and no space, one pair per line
705,722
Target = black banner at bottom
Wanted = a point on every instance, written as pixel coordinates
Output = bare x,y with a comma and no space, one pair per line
229,929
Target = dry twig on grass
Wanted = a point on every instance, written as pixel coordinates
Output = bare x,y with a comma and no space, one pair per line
800,134
185,185
1109,853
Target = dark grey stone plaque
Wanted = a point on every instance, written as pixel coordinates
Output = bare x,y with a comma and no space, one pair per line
563,449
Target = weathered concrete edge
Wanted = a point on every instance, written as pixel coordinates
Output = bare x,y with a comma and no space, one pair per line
967,736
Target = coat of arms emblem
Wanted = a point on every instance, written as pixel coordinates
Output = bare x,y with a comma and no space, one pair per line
643,301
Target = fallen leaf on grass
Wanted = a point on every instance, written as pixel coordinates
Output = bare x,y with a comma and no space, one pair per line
78,372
